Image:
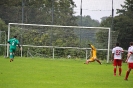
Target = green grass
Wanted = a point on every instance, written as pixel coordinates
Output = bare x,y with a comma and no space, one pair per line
59,73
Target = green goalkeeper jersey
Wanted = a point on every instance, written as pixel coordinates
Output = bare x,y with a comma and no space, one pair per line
13,42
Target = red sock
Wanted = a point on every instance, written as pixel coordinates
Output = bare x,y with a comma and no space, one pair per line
120,70
114,71
127,74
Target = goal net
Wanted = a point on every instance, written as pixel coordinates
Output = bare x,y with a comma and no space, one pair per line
56,41
3,43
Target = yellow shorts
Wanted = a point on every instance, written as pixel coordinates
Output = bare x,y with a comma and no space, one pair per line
92,58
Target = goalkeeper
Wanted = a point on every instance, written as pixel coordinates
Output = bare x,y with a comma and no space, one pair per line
13,43
93,55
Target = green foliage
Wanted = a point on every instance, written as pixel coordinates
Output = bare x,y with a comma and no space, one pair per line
58,12
37,36
87,21
122,24
38,11
3,35
102,37
127,9
106,22
3,26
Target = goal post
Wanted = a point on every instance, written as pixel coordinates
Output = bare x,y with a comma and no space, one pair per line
61,38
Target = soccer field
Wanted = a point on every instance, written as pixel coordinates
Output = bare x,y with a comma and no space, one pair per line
59,73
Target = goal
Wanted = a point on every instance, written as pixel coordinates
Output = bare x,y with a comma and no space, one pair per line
58,41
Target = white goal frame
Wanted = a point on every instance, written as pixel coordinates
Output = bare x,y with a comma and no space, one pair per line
78,27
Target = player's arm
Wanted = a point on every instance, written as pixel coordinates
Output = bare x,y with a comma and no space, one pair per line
122,54
128,56
19,46
112,56
92,46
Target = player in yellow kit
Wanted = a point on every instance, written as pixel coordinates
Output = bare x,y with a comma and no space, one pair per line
93,55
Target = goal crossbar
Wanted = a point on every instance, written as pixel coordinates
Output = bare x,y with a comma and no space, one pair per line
22,24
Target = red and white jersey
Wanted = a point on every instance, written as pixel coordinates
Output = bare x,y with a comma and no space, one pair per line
117,52
129,49
130,60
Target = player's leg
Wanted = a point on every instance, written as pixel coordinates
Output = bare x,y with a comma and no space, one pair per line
89,60
98,61
11,55
120,70
119,65
115,66
127,73
130,66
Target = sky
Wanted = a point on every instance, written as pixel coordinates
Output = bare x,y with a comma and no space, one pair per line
97,8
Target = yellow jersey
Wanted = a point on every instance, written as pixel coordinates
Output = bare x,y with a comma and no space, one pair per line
93,52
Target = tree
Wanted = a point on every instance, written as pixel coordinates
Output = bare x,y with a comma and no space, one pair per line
38,11
87,21
123,24
3,32
127,9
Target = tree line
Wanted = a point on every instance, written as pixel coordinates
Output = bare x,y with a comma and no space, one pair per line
61,12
